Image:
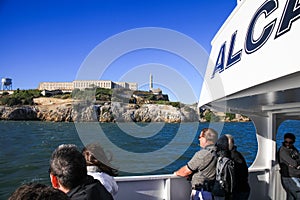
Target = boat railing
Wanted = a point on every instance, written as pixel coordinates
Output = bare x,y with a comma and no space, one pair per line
170,187
259,180
150,187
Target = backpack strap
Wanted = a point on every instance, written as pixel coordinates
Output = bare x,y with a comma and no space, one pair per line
221,164
223,159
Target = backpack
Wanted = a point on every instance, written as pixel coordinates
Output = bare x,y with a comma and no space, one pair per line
225,179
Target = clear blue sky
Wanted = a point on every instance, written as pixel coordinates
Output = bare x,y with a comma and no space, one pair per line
48,40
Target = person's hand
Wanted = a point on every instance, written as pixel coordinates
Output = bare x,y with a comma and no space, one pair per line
298,167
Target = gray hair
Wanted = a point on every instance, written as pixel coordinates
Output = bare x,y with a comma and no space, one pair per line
210,134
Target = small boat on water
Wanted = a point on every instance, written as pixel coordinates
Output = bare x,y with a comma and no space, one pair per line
253,70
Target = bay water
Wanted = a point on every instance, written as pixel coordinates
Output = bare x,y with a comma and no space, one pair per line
26,146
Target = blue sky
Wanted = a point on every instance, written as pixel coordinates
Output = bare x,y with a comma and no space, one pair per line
49,40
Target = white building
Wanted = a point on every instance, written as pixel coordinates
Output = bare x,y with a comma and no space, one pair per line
64,86
82,84
90,84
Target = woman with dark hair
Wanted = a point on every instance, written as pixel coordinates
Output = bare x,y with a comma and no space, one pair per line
242,188
98,166
238,186
225,179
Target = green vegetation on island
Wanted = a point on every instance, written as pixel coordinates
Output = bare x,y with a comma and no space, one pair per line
102,97
19,97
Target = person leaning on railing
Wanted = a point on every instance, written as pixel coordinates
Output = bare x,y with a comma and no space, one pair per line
202,167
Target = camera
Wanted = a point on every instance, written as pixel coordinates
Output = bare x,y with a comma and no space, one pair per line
294,154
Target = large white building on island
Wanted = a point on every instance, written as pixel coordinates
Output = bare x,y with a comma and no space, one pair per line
82,84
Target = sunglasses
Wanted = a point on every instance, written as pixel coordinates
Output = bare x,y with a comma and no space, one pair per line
288,142
201,136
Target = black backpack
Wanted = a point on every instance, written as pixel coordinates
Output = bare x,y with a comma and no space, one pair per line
225,177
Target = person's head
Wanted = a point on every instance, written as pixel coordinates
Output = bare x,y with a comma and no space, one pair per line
95,156
230,141
208,136
67,167
289,140
222,145
37,191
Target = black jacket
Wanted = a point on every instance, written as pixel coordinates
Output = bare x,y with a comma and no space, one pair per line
289,160
90,189
241,171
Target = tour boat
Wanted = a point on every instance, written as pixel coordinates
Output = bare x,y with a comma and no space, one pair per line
253,70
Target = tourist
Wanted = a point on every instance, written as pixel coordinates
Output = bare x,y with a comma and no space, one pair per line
289,161
242,188
99,166
68,173
37,191
202,166
225,175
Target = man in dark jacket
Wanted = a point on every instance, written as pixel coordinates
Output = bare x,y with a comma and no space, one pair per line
68,173
289,161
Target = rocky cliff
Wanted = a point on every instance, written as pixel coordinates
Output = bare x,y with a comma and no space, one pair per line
69,110
58,110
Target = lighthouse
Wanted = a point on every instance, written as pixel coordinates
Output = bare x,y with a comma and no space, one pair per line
150,82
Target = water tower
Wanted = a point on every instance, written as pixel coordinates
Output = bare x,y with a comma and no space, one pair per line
6,83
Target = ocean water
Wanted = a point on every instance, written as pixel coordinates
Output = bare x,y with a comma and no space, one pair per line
154,148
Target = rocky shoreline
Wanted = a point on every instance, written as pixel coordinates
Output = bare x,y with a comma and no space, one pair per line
58,110
68,110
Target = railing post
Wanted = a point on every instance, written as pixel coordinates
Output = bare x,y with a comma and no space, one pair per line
167,189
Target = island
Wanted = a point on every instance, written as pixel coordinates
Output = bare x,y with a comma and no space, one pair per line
104,105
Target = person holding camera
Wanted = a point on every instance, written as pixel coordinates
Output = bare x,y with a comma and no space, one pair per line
289,161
